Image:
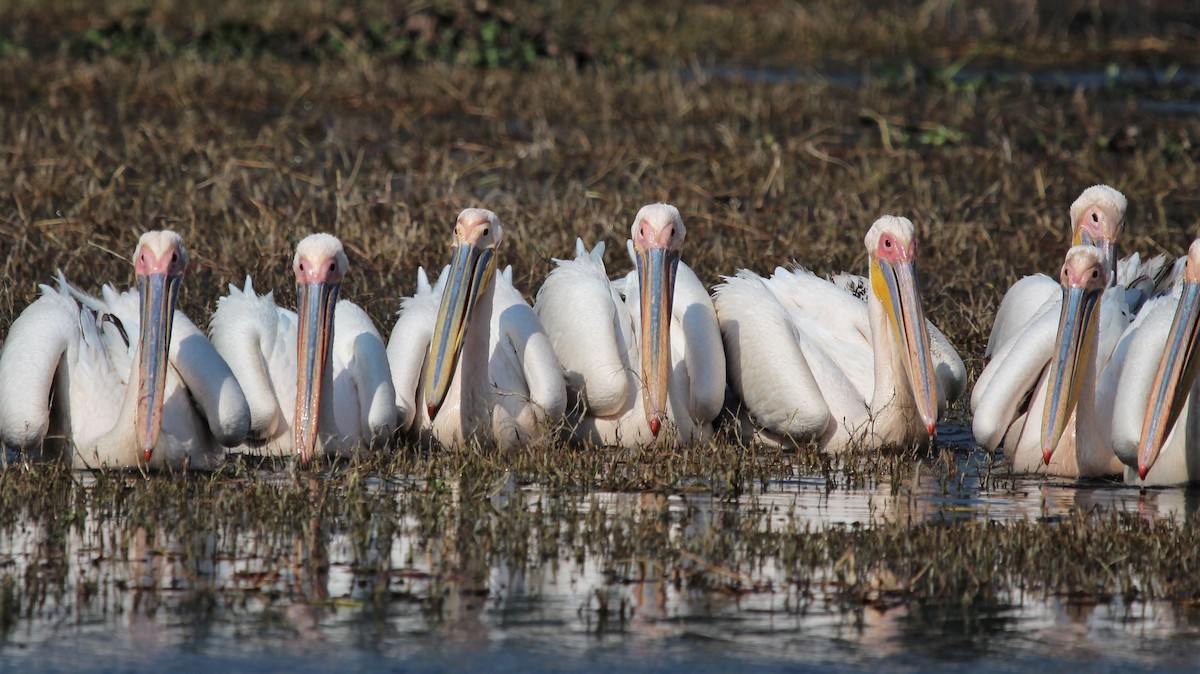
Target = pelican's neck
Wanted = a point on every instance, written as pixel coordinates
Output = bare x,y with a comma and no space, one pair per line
1089,449
247,362
475,384
117,446
327,425
1092,455
892,408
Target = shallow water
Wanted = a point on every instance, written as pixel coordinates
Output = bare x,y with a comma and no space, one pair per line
536,578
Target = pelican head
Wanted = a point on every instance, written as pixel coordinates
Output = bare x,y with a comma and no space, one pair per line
1097,218
1176,369
657,235
159,262
477,234
320,265
1083,282
892,248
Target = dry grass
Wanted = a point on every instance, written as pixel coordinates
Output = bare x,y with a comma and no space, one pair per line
246,156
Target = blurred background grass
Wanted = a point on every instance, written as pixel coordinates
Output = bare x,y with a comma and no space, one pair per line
781,130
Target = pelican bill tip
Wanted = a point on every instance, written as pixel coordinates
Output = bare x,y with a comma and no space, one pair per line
431,409
655,425
1143,471
1046,453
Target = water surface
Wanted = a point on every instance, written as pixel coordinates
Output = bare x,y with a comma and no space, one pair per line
428,574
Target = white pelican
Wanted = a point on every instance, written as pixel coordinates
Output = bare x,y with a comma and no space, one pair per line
1009,397
1075,439
470,361
813,362
1155,430
71,376
326,366
1097,218
665,324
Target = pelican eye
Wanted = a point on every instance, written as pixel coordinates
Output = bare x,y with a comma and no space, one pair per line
332,266
485,231
1095,218
174,257
1095,274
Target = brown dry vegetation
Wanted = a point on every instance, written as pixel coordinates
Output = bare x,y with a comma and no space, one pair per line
246,155
114,120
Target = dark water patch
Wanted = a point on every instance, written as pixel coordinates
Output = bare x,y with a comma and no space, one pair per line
1183,108
1164,82
1165,79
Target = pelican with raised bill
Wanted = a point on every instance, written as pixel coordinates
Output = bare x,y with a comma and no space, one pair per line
120,381
470,360
317,380
1155,428
815,363
642,354
1009,398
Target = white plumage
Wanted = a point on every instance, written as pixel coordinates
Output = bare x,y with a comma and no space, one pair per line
480,368
1009,397
1155,426
70,373
596,327
260,341
814,362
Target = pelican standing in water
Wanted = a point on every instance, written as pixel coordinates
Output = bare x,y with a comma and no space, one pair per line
1155,428
665,324
316,381
73,382
1009,397
814,363
470,360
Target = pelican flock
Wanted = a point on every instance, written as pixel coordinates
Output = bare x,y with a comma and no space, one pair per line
1089,375
1015,391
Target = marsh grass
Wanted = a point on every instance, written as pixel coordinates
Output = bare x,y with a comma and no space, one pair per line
74,540
247,126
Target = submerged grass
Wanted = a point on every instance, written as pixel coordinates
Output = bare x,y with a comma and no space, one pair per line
441,529
248,126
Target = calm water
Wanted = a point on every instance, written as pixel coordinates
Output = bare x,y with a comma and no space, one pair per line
250,600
